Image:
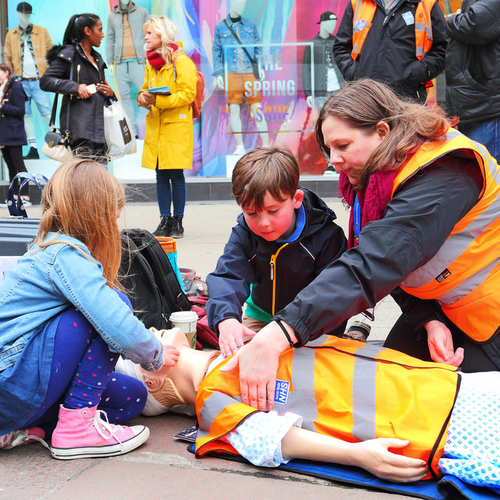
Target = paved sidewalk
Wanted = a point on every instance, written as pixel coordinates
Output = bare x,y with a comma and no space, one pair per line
163,468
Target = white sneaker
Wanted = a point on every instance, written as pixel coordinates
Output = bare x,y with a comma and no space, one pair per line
5,204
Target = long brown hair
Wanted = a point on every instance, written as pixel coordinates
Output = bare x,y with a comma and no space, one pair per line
362,104
82,200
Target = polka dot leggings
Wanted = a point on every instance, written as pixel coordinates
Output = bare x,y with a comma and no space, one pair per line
87,380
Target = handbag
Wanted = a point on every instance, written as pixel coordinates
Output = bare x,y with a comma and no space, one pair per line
253,60
118,131
16,207
56,144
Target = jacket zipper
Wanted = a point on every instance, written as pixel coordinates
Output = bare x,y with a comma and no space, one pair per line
272,263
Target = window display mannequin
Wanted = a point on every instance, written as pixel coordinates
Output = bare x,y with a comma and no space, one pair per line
239,69
25,49
125,51
327,76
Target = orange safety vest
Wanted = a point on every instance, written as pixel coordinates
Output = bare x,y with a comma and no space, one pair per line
362,22
464,275
345,389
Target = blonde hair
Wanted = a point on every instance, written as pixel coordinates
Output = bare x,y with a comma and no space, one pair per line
362,104
164,27
82,200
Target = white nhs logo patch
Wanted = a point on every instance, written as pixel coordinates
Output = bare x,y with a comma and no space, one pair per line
281,391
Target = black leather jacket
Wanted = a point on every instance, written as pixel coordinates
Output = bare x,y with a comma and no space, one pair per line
473,61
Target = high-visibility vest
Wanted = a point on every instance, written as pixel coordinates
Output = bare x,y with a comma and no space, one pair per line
364,11
345,389
464,275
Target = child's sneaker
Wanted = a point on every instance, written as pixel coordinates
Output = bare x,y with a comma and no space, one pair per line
81,433
22,437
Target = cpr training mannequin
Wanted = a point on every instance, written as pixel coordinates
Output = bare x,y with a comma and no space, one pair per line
239,69
25,49
414,400
125,51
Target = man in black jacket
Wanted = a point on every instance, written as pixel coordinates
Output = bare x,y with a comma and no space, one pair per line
473,71
388,53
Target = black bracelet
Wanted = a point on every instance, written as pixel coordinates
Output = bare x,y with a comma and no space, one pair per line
287,335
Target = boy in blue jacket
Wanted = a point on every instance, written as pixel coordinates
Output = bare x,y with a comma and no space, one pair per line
284,238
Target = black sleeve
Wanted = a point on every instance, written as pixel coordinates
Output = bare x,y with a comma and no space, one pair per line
229,285
56,78
342,47
478,26
434,60
306,71
417,222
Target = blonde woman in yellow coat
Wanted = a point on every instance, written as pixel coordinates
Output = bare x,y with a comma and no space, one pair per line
168,145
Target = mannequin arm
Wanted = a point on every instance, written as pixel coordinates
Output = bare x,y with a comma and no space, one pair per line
111,69
220,82
310,101
372,455
110,43
262,74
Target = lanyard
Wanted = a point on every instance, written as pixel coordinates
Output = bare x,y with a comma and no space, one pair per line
357,217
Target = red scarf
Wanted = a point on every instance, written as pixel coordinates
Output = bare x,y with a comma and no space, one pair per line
373,200
156,59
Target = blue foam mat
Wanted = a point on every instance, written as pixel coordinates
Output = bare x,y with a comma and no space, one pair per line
448,487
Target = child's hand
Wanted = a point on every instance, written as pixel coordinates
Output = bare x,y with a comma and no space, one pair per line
231,333
170,355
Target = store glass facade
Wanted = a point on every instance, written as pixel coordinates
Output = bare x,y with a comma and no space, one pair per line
272,101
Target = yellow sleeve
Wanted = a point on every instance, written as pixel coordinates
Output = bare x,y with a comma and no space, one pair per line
186,85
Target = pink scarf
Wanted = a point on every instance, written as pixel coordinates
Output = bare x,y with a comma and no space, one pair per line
372,200
156,59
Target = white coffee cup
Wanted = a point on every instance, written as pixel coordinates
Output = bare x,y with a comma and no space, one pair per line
186,321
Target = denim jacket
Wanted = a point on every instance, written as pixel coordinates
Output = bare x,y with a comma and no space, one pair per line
248,35
46,282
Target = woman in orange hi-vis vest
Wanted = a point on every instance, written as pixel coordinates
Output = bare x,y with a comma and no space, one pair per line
424,226
339,401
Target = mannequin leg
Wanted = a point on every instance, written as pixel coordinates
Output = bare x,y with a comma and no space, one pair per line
46,118
235,118
136,75
261,124
29,127
124,82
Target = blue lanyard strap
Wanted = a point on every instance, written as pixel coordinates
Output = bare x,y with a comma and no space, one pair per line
357,217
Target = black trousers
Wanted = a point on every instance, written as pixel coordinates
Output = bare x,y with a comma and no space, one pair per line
477,357
13,156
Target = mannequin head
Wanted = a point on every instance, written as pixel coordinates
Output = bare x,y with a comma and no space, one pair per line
327,23
124,5
171,386
236,7
24,11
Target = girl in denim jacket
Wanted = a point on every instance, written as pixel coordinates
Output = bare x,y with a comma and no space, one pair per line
64,323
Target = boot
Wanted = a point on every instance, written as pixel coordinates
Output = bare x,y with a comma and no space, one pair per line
81,433
22,437
32,154
177,229
164,227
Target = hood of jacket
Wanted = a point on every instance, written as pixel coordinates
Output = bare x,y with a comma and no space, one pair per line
117,10
317,215
65,51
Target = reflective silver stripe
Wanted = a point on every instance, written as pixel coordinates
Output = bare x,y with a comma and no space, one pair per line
305,248
355,48
319,341
419,51
453,247
467,285
355,19
212,407
364,392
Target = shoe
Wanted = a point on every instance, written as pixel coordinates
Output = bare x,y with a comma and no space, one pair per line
82,433
164,227
357,331
240,150
330,170
32,154
22,437
177,229
5,204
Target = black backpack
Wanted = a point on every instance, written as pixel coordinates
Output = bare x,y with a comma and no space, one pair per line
149,279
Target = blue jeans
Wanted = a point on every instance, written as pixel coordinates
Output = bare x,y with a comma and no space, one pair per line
42,99
486,133
171,187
